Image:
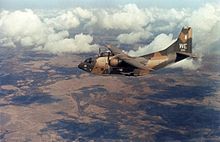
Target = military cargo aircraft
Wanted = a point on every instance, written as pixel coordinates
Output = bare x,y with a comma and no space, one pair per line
115,61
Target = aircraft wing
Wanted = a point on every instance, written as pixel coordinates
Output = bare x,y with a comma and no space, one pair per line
114,50
131,61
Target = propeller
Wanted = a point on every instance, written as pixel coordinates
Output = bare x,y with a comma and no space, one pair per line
106,45
109,58
109,67
99,51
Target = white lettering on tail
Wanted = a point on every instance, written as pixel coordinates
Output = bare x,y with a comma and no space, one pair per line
183,47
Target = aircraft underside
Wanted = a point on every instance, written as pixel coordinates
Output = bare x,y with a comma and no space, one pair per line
122,71
131,71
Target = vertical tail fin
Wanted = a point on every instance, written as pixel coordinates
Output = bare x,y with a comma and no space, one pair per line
183,45
184,41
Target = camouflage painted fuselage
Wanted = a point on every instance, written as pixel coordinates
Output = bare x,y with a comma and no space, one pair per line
101,65
120,63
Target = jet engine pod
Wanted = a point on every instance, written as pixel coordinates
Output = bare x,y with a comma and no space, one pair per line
114,62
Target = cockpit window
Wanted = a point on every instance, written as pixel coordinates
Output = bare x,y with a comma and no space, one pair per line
89,60
104,54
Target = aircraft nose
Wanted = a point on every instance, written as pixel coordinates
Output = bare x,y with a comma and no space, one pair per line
84,67
81,66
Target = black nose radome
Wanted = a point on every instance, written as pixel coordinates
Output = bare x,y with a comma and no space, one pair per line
81,66
85,67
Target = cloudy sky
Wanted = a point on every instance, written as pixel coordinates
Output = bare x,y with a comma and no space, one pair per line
48,25
19,4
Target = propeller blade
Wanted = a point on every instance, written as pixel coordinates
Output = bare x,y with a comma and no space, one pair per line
108,58
99,51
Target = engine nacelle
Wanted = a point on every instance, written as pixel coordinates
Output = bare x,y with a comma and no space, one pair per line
114,62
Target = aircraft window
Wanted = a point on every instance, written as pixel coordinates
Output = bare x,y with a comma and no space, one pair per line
103,54
89,60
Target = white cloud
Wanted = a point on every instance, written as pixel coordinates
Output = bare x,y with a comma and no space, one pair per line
65,21
27,28
155,21
85,15
57,36
133,37
23,26
206,27
6,42
79,44
126,18
160,42
45,28
190,64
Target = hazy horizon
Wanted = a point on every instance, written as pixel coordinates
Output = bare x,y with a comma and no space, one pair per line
62,4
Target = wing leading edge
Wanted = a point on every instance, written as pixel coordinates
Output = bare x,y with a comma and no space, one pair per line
129,60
